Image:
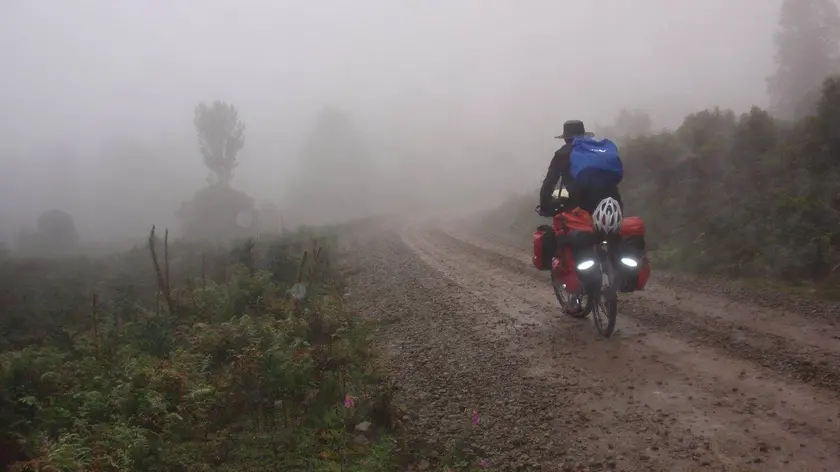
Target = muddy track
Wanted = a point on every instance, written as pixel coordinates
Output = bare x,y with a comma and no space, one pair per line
696,378
698,322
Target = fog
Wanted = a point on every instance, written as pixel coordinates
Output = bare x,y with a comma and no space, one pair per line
448,98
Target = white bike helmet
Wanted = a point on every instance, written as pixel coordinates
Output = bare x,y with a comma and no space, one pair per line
607,216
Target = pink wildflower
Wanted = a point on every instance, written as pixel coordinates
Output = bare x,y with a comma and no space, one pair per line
484,463
475,417
348,401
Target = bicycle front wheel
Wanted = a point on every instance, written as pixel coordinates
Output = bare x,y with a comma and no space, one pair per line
604,312
605,306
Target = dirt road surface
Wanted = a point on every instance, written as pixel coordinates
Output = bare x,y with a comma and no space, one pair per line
701,374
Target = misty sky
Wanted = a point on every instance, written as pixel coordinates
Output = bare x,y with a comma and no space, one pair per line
431,81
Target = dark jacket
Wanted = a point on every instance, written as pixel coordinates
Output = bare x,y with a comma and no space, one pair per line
560,171
557,170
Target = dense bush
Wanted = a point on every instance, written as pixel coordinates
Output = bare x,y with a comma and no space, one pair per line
218,213
55,234
741,195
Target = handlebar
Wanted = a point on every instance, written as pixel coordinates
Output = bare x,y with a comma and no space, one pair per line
558,205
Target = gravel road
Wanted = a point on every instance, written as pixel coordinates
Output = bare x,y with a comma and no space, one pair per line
701,374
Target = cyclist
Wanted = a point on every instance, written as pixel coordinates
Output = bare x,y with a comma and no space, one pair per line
590,171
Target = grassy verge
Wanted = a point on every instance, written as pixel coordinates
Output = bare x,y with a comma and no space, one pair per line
109,365
697,262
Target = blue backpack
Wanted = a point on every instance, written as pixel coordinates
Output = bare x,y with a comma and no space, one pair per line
595,163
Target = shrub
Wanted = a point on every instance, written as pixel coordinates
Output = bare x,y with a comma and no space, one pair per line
745,196
234,374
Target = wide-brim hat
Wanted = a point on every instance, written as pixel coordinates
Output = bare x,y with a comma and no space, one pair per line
574,128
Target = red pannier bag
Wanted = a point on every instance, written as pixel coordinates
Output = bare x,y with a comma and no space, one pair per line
567,224
632,226
632,233
575,220
545,245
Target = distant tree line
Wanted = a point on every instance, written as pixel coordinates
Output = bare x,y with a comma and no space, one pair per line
756,194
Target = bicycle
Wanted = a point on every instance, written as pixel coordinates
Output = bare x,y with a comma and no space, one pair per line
594,256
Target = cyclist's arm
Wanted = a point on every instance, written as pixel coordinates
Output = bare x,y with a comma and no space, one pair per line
559,166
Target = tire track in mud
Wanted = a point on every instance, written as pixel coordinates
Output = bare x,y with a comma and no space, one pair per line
468,329
551,418
722,406
445,370
769,308
798,361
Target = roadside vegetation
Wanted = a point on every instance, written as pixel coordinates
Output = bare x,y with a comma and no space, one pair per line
228,371
228,348
749,195
187,357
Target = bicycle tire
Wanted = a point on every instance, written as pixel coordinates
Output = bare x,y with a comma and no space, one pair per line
606,298
560,294
610,309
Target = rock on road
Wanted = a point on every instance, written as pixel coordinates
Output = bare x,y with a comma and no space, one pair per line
699,376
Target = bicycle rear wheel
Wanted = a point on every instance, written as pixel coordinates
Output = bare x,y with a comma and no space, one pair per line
565,299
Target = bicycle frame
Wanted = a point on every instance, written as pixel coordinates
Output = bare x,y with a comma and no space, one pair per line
597,272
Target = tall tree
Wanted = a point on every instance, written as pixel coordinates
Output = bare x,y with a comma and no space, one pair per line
633,123
335,143
807,46
337,178
627,124
221,135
